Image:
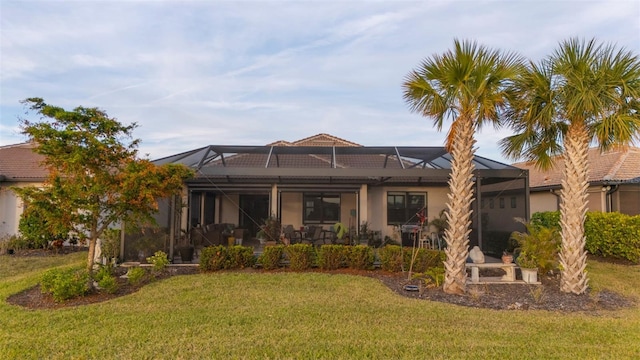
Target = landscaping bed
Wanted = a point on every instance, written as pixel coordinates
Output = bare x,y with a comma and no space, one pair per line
546,296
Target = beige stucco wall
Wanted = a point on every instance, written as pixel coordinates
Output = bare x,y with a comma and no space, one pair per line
436,201
542,201
547,201
11,207
291,209
229,213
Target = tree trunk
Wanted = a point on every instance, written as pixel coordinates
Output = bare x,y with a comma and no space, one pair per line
573,209
459,205
91,255
93,241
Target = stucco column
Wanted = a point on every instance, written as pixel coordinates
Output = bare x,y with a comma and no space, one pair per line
363,212
273,201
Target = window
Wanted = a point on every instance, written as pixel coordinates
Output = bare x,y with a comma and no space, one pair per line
402,207
202,208
501,203
321,208
513,202
490,203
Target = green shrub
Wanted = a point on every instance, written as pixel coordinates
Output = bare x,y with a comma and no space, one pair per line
110,243
102,272
301,256
13,242
159,260
434,275
612,235
221,257
213,258
538,247
17,242
332,257
271,257
361,257
425,259
108,283
135,275
240,257
391,258
549,219
65,284
35,230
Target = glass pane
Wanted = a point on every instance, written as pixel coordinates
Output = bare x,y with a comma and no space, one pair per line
331,208
194,210
312,208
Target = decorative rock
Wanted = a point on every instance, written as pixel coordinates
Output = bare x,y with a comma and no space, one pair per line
476,255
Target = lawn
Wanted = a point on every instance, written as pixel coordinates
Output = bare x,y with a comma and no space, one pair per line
302,316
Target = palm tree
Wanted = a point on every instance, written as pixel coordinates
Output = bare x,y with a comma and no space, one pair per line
467,85
583,93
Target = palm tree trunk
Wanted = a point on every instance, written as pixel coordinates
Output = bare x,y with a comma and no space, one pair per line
573,210
459,205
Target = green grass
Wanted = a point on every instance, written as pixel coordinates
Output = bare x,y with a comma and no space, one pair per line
303,316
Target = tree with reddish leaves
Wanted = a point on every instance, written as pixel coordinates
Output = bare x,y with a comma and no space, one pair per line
95,178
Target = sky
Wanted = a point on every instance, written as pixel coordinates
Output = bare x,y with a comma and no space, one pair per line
197,73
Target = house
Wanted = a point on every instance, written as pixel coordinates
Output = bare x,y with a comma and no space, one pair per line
19,166
614,182
321,180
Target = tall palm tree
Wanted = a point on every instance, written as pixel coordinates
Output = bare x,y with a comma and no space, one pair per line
467,85
584,93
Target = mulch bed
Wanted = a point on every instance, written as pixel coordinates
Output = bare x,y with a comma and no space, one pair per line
546,296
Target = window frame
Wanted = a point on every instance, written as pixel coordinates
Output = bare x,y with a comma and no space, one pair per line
409,212
323,208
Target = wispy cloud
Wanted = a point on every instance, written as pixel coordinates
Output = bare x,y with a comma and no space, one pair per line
195,73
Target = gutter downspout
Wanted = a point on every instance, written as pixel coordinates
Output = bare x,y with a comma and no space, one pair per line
609,199
553,191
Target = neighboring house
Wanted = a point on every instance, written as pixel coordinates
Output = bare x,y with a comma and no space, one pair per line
614,182
321,180
19,166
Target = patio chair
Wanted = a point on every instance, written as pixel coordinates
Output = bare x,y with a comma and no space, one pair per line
436,241
316,236
291,234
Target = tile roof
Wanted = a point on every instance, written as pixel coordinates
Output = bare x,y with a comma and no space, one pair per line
311,160
18,162
327,159
620,165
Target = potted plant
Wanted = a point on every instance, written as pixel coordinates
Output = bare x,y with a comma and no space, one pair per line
270,230
228,234
537,249
341,230
440,223
507,257
184,247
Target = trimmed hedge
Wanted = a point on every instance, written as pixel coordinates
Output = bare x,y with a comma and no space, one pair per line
393,258
612,235
360,257
271,257
332,257
222,257
301,256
